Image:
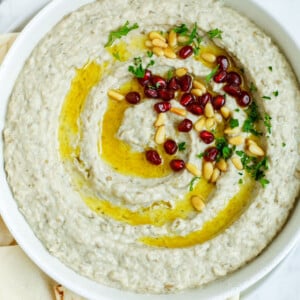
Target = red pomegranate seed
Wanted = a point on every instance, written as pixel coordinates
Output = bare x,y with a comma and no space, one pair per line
150,93
233,78
133,97
143,81
185,52
206,136
220,76
158,82
195,109
204,99
166,94
177,165
187,98
173,84
223,62
170,147
185,83
244,99
185,125
153,157
218,101
211,154
232,89
162,106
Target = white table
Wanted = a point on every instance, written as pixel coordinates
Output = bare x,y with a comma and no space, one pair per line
284,282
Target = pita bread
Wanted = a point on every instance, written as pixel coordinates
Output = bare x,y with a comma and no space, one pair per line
6,40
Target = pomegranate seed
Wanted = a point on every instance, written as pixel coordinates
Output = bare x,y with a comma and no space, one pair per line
177,165
133,97
187,98
220,76
162,106
166,94
150,92
158,82
233,78
170,147
218,101
223,62
143,81
211,154
153,157
195,109
206,136
204,99
185,52
185,125
232,89
185,82
173,84
244,99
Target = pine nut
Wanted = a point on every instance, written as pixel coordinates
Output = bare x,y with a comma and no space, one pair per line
193,169
207,171
148,44
198,203
161,120
215,175
232,131
115,95
181,72
197,92
160,135
198,85
218,118
172,38
256,150
236,140
250,142
209,110
222,165
237,162
178,111
158,51
209,57
210,123
168,52
199,125
182,39
225,111
156,35
159,43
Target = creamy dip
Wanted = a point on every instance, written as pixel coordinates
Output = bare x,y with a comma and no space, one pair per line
77,151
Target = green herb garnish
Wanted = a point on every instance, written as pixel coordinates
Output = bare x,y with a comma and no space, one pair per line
122,31
253,117
225,151
237,110
212,74
200,155
276,93
240,181
191,185
181,29
283,144
252,88
182,146
267,122
270,68
116,55
233,123
264,182
138,70
149,53
215,33
266,97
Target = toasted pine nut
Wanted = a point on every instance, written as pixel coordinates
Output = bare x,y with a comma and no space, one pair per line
207,171
161,120
159,43
250,142
222,165
197,202
215,175
158,51
181,72
232,131
209,110
160,135
225,111
193,169
182,39
156,35
172,38
198,85
237,162
210,123
218,118
115,95
209,57
256,150
199,125
178,111
236,140
168,52
197,92
148,44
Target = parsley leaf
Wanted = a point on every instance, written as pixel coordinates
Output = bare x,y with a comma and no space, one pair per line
267,122
270,68
240,181
182,146
224,150
252,88
181,29
200,155
264,182
276,93
149,53
215,33
122,31
233,123
212,74
266,97
191,185
283,144
253,117
138,69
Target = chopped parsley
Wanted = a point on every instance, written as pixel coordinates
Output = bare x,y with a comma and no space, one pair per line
215,33
191,185
116,55
266,97
170,74
275,93
225,151
270,68
200,155
233,123
237,110
240,181
182,146
122,31
253,88
264,182
283,144
253,117
149,53
181,29
267,122
212,74
137,70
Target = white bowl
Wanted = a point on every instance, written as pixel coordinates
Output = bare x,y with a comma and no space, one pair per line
15,221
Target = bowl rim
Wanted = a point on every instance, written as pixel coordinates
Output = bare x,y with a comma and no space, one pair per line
219,289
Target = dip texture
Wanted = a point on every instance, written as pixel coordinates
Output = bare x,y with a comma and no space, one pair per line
89,166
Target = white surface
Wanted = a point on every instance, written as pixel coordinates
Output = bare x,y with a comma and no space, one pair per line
283,283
